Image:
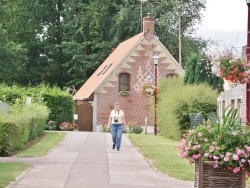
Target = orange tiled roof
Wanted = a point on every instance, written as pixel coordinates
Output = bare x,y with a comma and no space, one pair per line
113,60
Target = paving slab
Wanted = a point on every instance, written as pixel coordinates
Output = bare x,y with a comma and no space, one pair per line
87,160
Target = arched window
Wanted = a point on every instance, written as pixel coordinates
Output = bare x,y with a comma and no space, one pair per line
124,82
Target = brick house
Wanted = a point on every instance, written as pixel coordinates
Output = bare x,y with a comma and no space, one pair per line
121,77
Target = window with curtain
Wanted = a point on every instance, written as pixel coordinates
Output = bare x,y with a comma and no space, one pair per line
124,82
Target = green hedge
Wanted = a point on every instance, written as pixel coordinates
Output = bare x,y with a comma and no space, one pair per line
59,102
23,123
176,101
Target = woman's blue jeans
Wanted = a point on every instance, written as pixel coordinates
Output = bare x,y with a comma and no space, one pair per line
116,131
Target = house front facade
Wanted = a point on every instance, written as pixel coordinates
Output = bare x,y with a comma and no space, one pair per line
121,77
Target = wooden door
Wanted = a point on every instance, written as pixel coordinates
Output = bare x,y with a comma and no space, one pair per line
85,116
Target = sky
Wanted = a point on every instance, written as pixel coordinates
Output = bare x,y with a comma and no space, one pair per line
225,21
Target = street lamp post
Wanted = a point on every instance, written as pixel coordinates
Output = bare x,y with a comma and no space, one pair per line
248,60
156,60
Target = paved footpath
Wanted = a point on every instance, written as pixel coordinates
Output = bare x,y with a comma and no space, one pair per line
87,160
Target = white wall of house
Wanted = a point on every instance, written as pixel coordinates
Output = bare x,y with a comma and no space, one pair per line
94,104
235,97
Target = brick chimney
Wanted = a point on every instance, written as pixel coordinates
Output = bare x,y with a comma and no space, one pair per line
148,27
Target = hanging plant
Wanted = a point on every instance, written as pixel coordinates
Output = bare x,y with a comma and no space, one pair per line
231,69
148,90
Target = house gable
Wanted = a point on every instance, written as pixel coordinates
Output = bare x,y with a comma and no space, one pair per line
107,67
139,64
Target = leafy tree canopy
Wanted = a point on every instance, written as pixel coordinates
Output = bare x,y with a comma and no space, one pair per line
63,41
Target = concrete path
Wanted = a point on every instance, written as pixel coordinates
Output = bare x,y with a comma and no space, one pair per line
86,160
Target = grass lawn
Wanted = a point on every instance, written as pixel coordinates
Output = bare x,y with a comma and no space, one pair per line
164,155
42,147
9,171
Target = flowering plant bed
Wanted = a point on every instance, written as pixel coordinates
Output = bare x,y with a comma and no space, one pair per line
226,144
66,126
230,68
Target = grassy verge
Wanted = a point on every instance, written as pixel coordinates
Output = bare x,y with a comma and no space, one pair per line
9,171
41,148
164,155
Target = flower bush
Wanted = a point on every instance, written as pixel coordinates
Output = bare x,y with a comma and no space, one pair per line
226,143
230,68
148,90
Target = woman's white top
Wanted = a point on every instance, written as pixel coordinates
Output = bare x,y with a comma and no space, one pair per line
117,114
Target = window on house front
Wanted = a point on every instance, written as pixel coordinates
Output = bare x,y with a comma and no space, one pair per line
124,82
223,105
232,104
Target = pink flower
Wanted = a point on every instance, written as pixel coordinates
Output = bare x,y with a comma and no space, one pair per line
195,147
243,160
183,155
187,148
182,143
228,154
197,156
248,162
226,159
240,152
206,155
211,148
214,143
234,133
199,134
190,160
235,157
216,165
205,139
236,170
190,131
247,148
215,157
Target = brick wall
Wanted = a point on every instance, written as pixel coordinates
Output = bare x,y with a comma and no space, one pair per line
139,64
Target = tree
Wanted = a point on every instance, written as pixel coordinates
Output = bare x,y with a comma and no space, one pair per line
64,41
198,70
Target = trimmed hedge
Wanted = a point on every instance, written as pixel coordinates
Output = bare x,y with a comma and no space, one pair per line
59,102
23,123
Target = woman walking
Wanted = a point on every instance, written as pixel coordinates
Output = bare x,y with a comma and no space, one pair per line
117,122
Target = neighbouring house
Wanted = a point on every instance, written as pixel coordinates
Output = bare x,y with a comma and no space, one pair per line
121,78
234,97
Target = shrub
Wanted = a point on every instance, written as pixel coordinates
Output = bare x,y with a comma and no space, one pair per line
59,102
51,125
135,128
23,123
177,100
105,129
